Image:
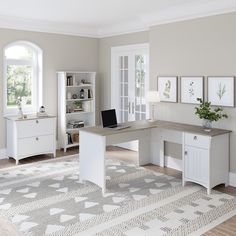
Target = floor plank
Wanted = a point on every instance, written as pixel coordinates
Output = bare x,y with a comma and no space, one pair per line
227,228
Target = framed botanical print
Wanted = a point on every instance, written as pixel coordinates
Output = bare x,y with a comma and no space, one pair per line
191,89
167,87
221,90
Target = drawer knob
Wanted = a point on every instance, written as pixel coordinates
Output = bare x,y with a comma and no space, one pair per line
185,152
195,137
37,121
37,139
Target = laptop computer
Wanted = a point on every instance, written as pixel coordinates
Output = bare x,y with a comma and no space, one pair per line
109,120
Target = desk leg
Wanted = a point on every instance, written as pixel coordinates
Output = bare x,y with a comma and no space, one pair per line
92,159
162,153
144,157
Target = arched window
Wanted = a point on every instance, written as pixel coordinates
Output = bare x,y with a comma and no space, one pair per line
22,77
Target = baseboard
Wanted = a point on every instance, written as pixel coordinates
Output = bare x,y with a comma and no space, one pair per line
173,163
232,179
3,154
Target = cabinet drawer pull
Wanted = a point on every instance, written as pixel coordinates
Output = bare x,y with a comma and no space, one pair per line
185,152
37,121
37,139
195,137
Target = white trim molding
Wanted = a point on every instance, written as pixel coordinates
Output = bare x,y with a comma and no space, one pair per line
174,13
3,153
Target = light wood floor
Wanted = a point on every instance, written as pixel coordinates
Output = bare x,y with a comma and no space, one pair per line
227,228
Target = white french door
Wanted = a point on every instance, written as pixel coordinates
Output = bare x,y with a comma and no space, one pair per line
129,83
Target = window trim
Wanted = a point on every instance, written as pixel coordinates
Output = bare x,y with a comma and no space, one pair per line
37,98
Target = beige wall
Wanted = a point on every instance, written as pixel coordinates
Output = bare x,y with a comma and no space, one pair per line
60,52
204,46
104,63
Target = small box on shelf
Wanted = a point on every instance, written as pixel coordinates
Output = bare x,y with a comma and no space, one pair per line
75,138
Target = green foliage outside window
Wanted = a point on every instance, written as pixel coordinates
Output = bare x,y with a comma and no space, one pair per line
19,84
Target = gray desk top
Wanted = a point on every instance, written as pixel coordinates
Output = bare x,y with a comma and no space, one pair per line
139,125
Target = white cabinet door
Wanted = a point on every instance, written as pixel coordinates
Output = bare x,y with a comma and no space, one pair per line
196,164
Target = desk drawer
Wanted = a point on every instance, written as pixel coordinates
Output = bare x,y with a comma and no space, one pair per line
197,140
37,127
35,145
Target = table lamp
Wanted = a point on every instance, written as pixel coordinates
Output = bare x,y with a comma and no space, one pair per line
153,98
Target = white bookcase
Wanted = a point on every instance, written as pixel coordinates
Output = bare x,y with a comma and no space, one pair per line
76,105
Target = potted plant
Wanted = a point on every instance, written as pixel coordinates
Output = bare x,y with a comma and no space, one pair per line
78,105
208,115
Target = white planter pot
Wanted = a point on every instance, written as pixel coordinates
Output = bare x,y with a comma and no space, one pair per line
207,124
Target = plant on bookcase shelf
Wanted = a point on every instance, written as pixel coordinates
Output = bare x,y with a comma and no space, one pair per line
208,115
78,106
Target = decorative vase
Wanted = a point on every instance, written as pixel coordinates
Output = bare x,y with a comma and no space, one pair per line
207,124
20,113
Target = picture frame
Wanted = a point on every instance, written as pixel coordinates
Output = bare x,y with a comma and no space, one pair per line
220,90
167,87
191,89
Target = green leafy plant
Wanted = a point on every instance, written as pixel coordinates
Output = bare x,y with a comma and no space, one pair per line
78,104
204,111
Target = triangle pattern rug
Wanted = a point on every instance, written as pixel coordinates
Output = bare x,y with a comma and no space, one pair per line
46,198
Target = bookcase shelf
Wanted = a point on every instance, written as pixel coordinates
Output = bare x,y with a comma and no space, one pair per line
81,85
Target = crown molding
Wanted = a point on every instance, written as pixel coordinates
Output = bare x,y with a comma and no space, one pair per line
47,27
178,14
173,14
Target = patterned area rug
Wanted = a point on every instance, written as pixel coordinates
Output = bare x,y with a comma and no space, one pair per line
46,198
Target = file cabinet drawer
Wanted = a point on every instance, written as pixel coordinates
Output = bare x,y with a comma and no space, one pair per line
36,127
35,145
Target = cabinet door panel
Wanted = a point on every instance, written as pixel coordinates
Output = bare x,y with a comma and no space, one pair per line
196,164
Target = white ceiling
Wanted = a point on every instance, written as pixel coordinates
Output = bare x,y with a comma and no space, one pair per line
101,18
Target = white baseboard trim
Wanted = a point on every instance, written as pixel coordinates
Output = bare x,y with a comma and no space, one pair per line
176,164
173,163
3,153
232,179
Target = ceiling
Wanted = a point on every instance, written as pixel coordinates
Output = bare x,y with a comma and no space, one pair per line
101,18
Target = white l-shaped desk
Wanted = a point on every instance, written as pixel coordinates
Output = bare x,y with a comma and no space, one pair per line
205,154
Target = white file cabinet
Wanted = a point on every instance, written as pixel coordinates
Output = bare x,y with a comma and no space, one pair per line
29,137
206,159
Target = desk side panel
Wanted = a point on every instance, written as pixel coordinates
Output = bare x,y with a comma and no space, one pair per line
92,158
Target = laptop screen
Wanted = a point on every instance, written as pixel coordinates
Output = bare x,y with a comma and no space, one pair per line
109,118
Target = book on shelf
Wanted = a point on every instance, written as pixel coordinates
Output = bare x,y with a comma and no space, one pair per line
70,80
90,94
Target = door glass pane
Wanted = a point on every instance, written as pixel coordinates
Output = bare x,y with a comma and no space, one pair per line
126,76
126,103
126,62
140,76
121,62
123,88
